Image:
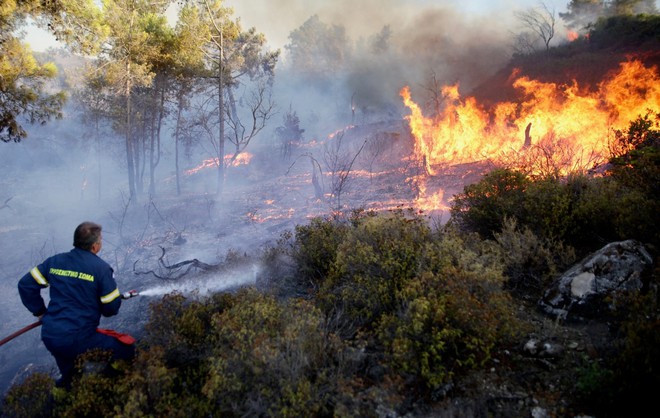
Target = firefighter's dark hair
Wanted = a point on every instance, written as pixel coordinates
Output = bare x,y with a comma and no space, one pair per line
86,234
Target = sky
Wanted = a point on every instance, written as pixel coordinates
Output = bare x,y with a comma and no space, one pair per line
277,18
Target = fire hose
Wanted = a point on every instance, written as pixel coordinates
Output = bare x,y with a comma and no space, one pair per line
125,295
19,332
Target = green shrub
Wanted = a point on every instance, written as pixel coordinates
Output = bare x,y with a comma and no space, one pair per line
531,263
181,325
156,388
602,215
31,398
581,212
483,206
273,359
315,249
547,207
636,168
625,31
450,316
375,259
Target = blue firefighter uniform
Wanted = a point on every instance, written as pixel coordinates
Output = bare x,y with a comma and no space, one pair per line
82,288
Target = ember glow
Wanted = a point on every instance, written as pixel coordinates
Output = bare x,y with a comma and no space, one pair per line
242,159
554,127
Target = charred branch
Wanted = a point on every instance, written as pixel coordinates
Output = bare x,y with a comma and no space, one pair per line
175,271
528,136
5,204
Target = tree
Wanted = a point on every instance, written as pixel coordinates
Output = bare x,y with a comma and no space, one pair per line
630,7
318,50
162,40
234,58
289,134
540,21
22,94
188,68
95,104
251,62
581,13
380,42
125,60
23,97
339,162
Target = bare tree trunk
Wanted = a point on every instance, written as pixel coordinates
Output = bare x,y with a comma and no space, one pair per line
528,136
129,140
221,139
155,144
98,155
177,132
221,119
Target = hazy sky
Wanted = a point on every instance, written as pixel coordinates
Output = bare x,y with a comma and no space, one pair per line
277,18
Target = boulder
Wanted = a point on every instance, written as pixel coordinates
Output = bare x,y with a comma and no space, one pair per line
588,288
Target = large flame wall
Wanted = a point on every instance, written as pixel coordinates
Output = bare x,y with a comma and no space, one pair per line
569,123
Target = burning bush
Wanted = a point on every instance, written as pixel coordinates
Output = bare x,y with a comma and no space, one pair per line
579,211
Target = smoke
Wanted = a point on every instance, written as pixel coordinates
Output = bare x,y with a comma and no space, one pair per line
58,177
362,18
392,44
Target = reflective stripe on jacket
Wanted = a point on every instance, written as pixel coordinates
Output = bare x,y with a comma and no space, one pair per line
82,289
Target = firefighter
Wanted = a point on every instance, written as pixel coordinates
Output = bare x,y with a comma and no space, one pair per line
82,288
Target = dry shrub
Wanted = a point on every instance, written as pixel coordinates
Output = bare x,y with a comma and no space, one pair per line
530,262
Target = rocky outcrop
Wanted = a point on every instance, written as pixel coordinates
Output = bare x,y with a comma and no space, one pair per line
588,289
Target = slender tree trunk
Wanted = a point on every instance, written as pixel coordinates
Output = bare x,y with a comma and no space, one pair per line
140,141
98,155
177,132
129,141
221,139
221,116
155,144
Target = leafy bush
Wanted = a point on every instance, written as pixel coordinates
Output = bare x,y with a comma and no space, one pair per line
31,398
181,324
433,302
581,212
483,206
450,316
274,359
636,156
531,263
315,248
373,262
625,31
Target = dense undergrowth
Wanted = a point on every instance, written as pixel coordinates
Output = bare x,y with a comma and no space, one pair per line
366,312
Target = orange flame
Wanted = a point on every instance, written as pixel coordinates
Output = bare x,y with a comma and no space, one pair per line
572,35
569,125
241,159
